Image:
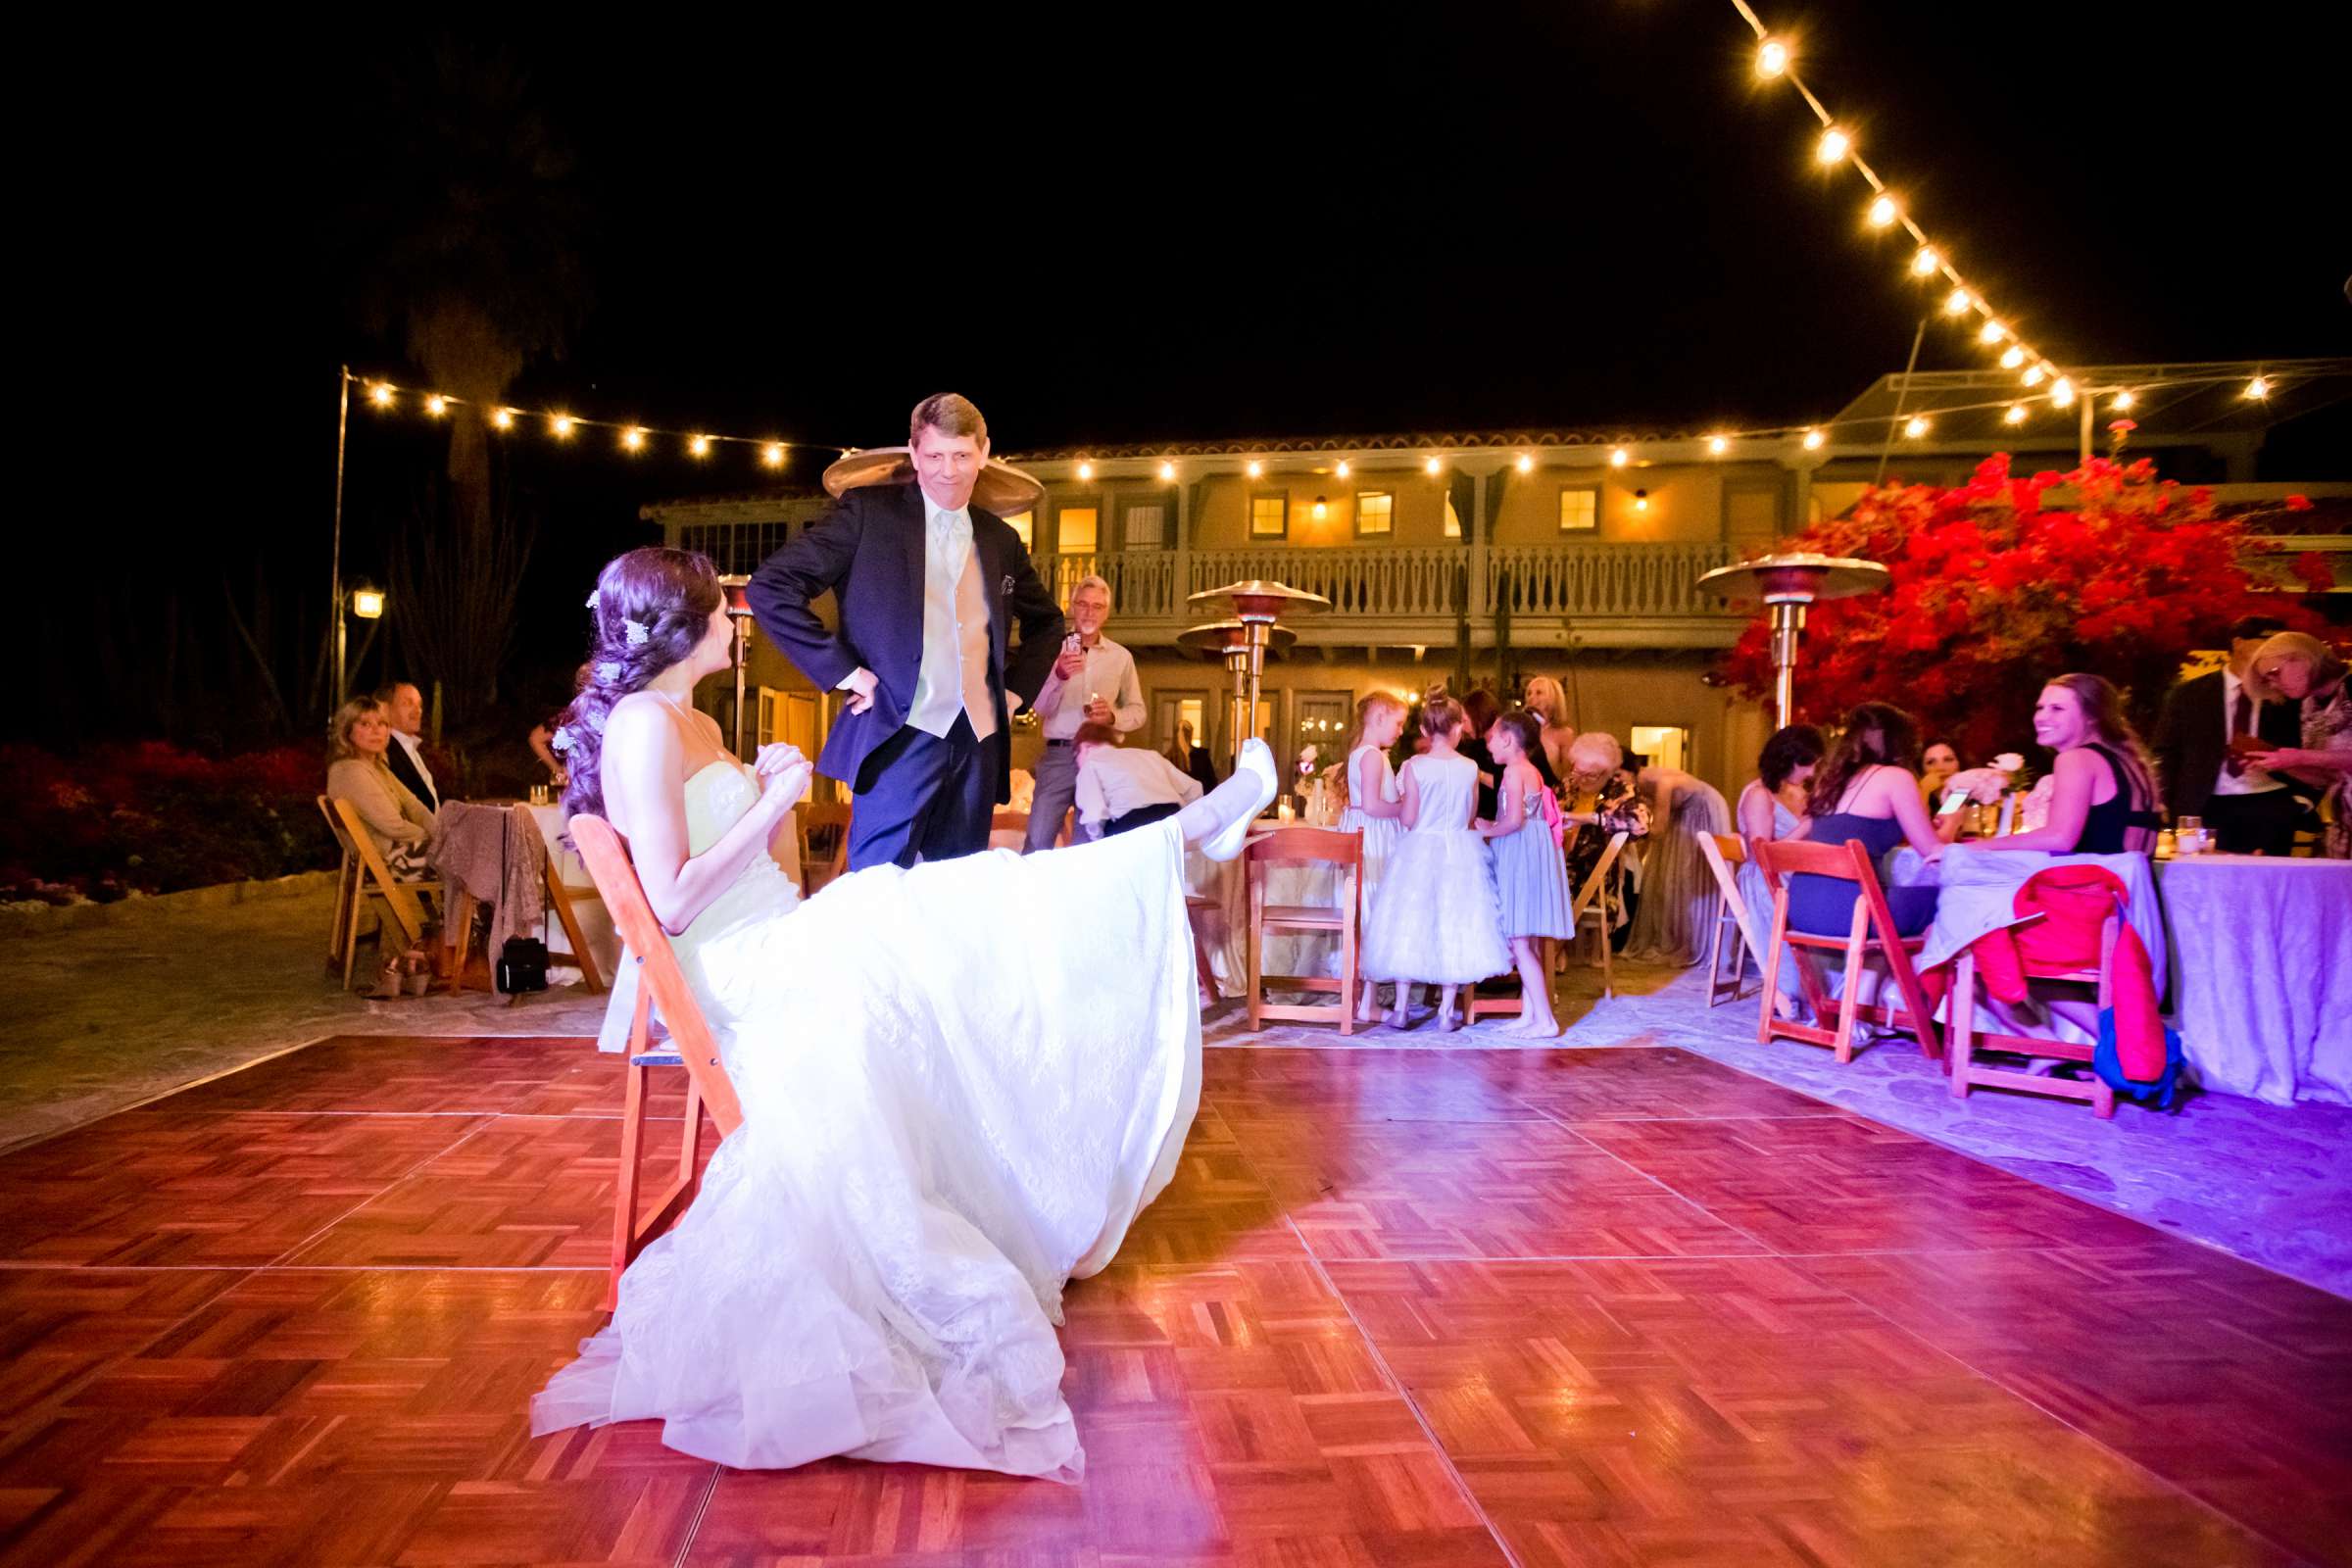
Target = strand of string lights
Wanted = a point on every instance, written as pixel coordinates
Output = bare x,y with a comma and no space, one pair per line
561,425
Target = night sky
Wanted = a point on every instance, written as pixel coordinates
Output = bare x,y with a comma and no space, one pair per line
1136,225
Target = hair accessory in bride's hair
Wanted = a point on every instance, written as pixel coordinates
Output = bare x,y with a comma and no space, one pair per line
591,599
610,669
561,740
637,630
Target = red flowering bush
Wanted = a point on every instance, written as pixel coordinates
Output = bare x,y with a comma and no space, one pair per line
151,817
1992,592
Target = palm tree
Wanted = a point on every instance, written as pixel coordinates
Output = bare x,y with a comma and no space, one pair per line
465,236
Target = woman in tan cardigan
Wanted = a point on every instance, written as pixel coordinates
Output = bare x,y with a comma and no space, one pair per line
355,771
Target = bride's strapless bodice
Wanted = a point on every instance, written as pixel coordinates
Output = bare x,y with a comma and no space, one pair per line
716,799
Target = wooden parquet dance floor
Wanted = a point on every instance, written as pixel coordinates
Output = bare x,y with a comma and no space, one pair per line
1400,1308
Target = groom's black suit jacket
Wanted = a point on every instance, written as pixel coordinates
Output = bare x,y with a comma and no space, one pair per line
868,552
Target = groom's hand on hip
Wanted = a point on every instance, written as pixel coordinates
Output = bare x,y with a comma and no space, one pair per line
860,684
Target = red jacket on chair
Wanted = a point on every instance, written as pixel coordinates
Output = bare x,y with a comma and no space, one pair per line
2073,903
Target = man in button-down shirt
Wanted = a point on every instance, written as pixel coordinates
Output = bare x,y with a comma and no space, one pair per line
1093,683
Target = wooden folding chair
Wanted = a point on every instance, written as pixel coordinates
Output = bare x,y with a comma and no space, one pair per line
691,1045
1311,846
1197,904
1723,852
1596,909
400,900
1965,1040
824,830
1844,862
343,936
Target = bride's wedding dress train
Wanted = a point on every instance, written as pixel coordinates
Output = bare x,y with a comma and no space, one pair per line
959,1084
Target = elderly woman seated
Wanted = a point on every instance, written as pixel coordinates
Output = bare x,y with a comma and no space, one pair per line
1599,799
394,819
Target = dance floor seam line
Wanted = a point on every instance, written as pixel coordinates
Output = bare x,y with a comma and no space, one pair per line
488,1122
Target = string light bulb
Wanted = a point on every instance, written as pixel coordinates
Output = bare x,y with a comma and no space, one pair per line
632,439
1772,59
698,446
1957,301
772,453
1718,444
1834,144
2258,388
1430,467
2036,376
1924,263
1255,469
1884,213
436,404
2013,358
1619,458
2124,400
559,427
1813,440
2062,393
1086,472
1991,332
2016,414
381,394
1527,465
503,419
1915,427
1167,474
1344,469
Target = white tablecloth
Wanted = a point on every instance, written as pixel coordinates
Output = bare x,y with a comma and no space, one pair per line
596,923
2261,973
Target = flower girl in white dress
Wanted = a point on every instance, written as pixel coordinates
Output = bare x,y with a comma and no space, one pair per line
1439,918
947,1115
1375,807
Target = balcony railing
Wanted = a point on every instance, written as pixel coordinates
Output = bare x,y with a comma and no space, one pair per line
1629,581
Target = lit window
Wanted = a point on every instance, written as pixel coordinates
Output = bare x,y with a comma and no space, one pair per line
1025,524
1080,530
1269,517
1375,512
1147,527
1579,510
1454,519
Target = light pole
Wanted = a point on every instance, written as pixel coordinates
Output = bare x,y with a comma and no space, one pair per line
335,601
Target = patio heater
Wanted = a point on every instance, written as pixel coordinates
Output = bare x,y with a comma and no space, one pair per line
739,610
1789,584
1259,606
1229,640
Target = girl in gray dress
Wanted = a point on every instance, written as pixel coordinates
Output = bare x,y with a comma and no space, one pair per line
1531,872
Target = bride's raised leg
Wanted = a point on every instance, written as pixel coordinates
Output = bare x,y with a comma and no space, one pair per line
1219,821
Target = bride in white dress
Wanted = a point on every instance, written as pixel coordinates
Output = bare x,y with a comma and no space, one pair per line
959,1084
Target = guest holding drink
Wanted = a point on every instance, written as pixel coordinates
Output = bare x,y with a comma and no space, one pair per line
2302,668
1438,920
1092,682
1531,874
1375,806
2103,790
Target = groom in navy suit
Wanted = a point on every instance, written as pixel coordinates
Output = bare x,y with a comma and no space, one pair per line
929,588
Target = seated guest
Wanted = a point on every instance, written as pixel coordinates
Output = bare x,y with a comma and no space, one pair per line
1190,758
1120,789
1601,801
543,735
1772,805
1937,765
1680,902
1865,791
393,817
2304,670
2103,790
2207,722
403,706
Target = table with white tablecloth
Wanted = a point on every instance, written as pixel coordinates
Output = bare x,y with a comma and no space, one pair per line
2261,973
1225,930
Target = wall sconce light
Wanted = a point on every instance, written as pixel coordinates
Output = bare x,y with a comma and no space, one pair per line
367,601
1640,500
1320,508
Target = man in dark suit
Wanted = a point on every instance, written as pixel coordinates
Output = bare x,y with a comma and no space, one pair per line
2247,810
929,588
404,709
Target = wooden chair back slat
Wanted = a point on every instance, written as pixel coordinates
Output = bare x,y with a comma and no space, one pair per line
1872,933
1305,845
608,861
399,897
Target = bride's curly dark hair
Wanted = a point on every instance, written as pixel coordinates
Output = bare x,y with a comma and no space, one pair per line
651,608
